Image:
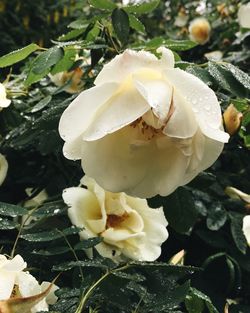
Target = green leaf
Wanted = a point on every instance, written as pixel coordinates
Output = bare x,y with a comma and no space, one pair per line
12,210
89,243
180,211
194,297
136,24
79,24
66,62
239,75
179,45
201,73
103,4
6,224
71,34
50,235
120,22
226,80
34,78
100,263
46,59
41,104
17,55
52,251
217,216
142,8
236,231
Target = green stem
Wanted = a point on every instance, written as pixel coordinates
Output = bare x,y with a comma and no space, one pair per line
91,289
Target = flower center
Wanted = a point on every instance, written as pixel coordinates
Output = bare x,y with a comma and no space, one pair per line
115,220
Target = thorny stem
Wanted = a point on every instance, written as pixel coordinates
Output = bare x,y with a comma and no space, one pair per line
91,289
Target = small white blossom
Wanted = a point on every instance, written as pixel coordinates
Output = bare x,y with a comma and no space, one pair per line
127,225
15,282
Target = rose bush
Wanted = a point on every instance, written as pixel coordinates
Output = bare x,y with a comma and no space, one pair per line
146,127
127,225
15,282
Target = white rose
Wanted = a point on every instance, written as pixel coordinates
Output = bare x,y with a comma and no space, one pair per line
146,127
127,225
3,168
14,282
4,102
199,30
244,15
246,228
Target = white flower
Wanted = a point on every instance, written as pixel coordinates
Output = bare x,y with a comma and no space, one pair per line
14,282
3,168
146,127
244,15
246,228
4,102
199,30
127,225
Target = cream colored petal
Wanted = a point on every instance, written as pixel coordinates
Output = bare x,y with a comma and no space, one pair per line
81,112
157,93
118,163
3,168
114,235
167,57
16,264
7,280
202,101
243,15
111,161
235,193
206,153
124,65
123,108
182,123
129,62
83,207
246,228
72,149
51,297
133,222
28,285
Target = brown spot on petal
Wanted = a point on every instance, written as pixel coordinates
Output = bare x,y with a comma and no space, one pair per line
115,220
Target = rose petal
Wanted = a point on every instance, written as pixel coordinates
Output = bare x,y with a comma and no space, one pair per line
182,123
16,264
156,92
7,280
80,113
124,107
84,209
128,169
202,101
